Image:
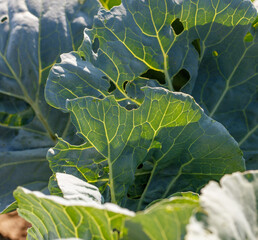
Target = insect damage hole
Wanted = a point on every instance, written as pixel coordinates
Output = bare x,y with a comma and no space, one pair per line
112,86
197,45
140,166
3,19
95,45
177,26
124,84
153,74
180,79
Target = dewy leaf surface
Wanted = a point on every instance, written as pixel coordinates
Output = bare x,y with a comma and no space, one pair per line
168,131
227,82
32,36
229,210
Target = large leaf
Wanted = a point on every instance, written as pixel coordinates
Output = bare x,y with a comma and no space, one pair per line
184,47
79,214
227,82
163,36
86,218
169,131
32,36
81,161
229,210
165,220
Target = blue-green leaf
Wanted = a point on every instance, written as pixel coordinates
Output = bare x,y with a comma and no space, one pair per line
32,36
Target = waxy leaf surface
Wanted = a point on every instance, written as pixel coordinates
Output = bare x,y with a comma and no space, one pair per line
169,131
164,220
227,82
86,218
229,210
32,36
206,48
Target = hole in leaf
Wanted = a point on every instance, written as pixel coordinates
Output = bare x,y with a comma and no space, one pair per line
197,46
3,19
124,84
248,37
215,53
153,74
140,166
130,107
116,230
95,45
82,55
180,79
101,173
177,26
132,196
112,86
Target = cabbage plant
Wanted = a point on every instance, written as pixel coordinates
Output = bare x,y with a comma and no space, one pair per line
162,96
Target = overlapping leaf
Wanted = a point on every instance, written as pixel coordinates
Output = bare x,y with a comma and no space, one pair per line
229,210
55,217
122,47
169,131
82,161
164,220
79,214
227,82
32,36
177,42
86,218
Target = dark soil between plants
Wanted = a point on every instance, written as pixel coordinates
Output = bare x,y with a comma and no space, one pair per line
13,227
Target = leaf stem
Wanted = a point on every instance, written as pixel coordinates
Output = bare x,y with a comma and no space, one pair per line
28,99
42,120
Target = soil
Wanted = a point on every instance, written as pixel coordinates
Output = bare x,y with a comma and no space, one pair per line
13,227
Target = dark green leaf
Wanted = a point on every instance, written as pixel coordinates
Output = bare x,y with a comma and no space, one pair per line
32,36
227,82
